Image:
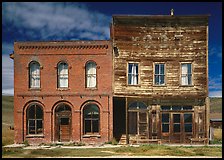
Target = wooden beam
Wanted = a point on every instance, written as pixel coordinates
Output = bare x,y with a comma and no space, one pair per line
126,109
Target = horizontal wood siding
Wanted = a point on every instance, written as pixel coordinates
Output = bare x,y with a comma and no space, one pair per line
170,45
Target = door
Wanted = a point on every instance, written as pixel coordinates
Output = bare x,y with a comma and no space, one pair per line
64,129
143,131
176,128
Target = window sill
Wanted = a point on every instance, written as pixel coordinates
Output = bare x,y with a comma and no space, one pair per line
162,85
35,136
63,89
186,85
91,135
91,88
133,85
34,89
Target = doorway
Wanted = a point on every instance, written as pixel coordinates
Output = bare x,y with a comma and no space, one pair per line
63,123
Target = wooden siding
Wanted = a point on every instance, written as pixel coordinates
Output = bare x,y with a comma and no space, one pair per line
169,43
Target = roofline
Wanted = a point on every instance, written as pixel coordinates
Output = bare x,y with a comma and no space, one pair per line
69,41
161,16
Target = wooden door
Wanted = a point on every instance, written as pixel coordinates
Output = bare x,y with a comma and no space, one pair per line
143,130
64,127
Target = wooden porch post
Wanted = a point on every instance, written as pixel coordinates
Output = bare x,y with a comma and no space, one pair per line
126,109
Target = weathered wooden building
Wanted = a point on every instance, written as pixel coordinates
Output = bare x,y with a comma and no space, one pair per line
148,83
160,78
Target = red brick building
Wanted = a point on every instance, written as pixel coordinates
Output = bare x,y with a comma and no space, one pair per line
63,91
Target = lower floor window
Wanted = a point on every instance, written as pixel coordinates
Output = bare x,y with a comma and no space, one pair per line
91,119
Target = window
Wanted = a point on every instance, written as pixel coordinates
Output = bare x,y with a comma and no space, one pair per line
34,119
62,75
91,75
132,73
176,123
137,105
188,122
186,74
165,122
34,75
91,119
159,76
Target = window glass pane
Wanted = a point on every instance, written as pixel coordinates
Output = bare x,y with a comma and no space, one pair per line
142,105
31,112
95,126
184,68
133,105
187,107
64,121
130,68
156,79
165,117
136,68
31,124
165,107
156,68
176,108
129,78
189,79
87,126
161,68
188,127
34,74
176,118
176,127
165,127
187,118
189,68
39,112
39,126
184,80
162,80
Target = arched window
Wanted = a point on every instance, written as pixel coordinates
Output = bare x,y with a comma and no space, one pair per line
34,75
91,74
137,105
91,119
62,75
34,119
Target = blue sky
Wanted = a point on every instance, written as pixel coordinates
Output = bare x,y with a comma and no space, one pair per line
33,21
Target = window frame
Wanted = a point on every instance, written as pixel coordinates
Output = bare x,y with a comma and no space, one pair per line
58,76
30,76
96,75
154,70
91,119
35,120
180,78
127,73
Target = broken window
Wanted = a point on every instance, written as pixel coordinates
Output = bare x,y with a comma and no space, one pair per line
91,119
34,119
62,75
132,73
159,74
91,74
34,75
186,74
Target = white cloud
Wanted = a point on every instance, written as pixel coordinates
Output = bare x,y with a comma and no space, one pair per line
7,75
215,83
55,19
215,50
215,94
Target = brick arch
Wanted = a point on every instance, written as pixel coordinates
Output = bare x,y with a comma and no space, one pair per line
32,102
91,102
61,102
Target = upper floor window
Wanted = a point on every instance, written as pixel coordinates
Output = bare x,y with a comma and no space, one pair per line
91,74
34,75
34,119
62,75
133,73
159,75
186,74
